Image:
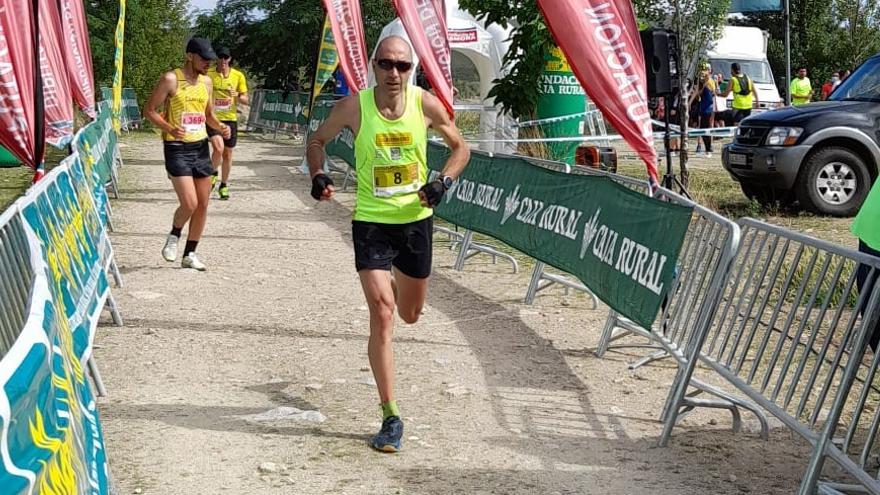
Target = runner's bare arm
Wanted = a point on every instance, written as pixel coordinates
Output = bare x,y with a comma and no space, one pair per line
164,88
439,120
212,119
346,113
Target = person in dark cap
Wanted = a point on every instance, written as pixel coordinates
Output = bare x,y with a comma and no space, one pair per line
186,94
230,90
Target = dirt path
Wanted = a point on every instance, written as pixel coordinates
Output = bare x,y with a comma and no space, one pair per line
497,397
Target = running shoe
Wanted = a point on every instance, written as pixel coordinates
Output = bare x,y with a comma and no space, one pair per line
223,192
169,251
192,261
388,438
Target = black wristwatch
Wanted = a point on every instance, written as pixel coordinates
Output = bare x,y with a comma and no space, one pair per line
446,181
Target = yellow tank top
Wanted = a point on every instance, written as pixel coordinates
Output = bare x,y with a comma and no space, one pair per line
391,161
226,107
186,109
741,102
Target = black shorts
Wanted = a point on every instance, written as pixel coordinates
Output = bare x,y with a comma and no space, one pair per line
188,159
233,133
407,247
739,114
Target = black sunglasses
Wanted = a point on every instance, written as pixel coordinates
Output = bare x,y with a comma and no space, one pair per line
400,65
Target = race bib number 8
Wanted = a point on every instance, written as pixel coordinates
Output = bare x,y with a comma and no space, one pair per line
193,122
391,180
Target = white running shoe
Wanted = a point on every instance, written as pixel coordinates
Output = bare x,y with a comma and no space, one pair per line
169,252
192,261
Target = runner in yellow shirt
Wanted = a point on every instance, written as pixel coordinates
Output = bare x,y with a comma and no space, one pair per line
230,90
186,96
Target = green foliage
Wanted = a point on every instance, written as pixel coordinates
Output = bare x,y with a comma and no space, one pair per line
825,37
274,41
155,35
517,91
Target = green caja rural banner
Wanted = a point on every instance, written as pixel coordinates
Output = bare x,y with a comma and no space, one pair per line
621,244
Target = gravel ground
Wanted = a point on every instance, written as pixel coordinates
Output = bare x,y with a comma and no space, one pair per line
209,376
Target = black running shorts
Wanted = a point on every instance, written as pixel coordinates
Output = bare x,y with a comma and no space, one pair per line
188,159
407,247
233,133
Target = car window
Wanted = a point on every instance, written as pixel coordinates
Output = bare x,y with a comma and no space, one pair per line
861,85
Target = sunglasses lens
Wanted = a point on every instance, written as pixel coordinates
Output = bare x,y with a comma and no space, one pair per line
401,66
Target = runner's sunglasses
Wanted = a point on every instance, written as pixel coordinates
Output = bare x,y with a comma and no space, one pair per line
400,65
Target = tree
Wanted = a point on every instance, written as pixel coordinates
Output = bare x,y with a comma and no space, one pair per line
276,41
517,92
697,23
155,36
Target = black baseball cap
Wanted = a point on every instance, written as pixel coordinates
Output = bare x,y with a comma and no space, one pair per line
201,47
223,52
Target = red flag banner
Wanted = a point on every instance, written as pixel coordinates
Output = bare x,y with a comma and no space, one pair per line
57,100
348,31
425,24
601,41
17,80
78,54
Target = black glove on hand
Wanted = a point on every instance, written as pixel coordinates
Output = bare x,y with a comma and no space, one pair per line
319,183
433,192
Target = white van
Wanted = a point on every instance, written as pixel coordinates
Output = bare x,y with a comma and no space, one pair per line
746,46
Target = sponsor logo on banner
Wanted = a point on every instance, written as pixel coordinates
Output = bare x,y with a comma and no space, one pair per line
348,31
78,54
425,23
620,243
600,39
463,35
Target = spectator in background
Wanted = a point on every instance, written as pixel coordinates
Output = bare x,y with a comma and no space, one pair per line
704,95
835,81
828,87
745,94
801,89
843,74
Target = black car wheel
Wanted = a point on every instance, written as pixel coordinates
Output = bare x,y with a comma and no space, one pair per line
833,181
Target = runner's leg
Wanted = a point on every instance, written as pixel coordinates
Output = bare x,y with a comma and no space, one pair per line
202,190
380,300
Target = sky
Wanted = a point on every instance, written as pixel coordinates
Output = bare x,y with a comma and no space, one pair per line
202,4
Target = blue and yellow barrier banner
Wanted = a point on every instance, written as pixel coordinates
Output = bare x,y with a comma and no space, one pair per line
50,432
130,111
96,145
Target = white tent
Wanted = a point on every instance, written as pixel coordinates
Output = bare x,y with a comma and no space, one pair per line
485,46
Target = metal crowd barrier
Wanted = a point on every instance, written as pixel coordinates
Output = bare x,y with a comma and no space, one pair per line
254,121
790,331
16,279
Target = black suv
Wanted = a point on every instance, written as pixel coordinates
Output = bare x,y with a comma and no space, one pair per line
824,155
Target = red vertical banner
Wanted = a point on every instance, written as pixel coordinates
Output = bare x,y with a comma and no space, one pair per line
78,54
57,100
600,39
348,31
17,80
425,24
